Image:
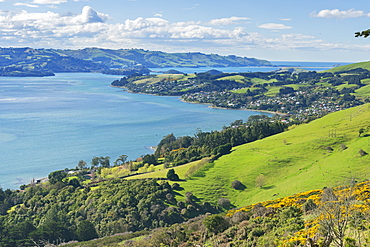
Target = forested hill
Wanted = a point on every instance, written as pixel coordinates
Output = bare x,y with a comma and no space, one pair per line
46,62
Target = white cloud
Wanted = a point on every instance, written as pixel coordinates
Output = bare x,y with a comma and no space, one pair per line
285,19
26,4
89,15
193,7
274,26
336,13
89,28
226,21
49,1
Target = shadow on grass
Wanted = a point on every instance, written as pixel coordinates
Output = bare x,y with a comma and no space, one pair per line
178,194
202,172
268,187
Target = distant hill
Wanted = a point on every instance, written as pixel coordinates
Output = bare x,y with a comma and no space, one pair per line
159,59
363,65
43,62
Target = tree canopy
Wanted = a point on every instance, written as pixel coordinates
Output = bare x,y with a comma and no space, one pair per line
364,34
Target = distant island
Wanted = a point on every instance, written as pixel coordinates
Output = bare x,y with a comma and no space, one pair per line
45,62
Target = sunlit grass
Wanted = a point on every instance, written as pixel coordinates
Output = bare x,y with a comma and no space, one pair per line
237,78
291,162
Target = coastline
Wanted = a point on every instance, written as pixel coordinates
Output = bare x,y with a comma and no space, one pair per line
208,104
239,109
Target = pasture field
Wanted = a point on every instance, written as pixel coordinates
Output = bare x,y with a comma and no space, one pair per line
322,153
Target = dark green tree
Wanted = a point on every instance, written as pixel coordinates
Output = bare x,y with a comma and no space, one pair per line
57,176
361,131
81,164
74,182
150,159
223,149
236,184
364,34
52,229
171,175
120,160
86,231
18,235
215,223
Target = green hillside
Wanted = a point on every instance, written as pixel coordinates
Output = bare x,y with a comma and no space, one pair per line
44,62
363,65
323,153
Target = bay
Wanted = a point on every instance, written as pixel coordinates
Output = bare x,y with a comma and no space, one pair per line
311,66
51,123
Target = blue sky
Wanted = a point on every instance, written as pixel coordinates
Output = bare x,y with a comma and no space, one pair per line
285,30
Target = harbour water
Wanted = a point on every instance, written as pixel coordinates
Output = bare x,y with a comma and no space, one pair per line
51,123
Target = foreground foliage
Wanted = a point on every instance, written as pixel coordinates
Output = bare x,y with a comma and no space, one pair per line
60,213
328,217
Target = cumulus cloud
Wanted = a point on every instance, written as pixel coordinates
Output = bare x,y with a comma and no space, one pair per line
336,13
274,26
89,28
89,15
226,21
49,1
26,5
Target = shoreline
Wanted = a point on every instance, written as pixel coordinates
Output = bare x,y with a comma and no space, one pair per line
208,104
238,109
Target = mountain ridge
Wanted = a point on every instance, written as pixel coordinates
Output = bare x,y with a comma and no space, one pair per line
28,61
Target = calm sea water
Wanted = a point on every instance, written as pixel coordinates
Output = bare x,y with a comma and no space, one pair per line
312,66
51,123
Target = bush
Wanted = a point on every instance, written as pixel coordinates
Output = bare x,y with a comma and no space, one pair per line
215,223
236,184
225,203
222,150
176,186
86,231
362,152
171,175
308,206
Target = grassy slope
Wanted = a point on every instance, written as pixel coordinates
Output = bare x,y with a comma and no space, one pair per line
364,65
301,164
180,170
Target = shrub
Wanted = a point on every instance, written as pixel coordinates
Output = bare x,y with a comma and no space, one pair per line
215,223
236,184
176,186
171,175
239,217
223,149
260,181
362,152
225,203
308,206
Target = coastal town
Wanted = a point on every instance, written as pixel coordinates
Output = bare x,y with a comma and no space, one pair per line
302,95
